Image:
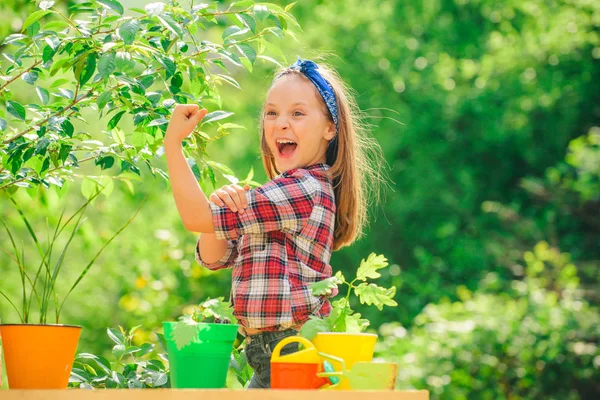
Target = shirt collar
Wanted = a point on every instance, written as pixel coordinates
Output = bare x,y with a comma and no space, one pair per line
312,167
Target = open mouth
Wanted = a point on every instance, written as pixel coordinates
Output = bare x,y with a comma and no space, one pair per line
286,147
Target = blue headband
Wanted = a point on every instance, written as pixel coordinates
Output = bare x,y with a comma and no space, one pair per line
309,69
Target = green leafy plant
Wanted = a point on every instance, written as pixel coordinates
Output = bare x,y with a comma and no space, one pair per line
239,365
212,310
42,280
134,367
342,317
92,60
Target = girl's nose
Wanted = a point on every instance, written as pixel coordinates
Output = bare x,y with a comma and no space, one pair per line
282,122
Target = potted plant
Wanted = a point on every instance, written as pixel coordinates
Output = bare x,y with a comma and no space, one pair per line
341,334
51,345
199,350
134,367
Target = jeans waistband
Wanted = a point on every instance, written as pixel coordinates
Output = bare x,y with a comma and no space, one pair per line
267,337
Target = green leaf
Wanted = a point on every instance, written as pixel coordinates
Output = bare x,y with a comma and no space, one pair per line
129,30
230,30
248,51
30,77
106,65
118,351
217,309
113,5
326,286
16,109
34,17
168,22
118,136
106,163
56,26
248,21
88,69
3,124
68,128
376,295
368,268
115,335
103,99
216,116
313,326
43,94
138,139
185,332
261,12
356,324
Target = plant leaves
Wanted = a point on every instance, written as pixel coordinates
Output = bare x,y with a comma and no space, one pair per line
313,326
115,120
185,332
371,294
30,77
43,94
261,12
88,69
34,17
113,5
103,99
129,30
216,116
168,22
106,65
16,109
327,286
368,268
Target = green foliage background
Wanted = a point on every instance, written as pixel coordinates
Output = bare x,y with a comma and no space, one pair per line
489,116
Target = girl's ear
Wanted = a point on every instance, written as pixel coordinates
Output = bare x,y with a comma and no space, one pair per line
331,131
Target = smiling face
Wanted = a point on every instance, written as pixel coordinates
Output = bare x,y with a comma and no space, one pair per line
296,126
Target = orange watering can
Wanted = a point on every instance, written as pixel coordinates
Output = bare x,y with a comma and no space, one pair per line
297,370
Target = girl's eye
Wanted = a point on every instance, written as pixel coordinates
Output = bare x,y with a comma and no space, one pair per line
270,112
298,113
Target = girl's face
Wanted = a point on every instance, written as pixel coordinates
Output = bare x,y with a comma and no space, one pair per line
296,128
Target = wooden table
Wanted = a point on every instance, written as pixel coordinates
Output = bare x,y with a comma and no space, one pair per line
217,394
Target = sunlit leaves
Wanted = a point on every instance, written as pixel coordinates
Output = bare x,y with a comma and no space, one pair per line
16,109
132,69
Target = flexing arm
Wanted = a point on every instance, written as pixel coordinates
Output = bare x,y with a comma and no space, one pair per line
191,202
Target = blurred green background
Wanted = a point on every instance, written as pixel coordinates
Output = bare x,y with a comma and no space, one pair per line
488,113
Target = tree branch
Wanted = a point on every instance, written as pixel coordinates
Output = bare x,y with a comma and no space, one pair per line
21,74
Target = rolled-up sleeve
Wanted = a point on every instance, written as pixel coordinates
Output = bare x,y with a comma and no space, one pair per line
282,204
224,262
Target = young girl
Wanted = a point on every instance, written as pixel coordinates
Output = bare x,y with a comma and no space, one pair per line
279,237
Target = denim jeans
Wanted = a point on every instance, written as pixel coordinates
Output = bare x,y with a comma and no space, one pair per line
258,353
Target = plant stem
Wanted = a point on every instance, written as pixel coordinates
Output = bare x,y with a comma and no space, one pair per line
52,170
35,64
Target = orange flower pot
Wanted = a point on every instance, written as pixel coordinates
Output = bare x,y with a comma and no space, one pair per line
39,356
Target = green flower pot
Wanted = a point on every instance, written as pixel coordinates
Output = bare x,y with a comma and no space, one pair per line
203,363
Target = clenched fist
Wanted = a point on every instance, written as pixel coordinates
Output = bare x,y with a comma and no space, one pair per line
184,120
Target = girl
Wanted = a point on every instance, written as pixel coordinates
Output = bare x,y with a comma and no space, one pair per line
279,237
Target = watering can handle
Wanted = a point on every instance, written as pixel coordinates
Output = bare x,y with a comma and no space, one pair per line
338,359
292,339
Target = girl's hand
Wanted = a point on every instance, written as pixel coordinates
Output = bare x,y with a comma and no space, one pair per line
232,196
184,120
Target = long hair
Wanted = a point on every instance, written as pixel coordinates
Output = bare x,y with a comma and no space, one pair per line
354,156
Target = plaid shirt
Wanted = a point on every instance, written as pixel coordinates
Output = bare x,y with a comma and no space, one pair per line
277,247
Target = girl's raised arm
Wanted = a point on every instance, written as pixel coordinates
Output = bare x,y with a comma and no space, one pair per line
191,202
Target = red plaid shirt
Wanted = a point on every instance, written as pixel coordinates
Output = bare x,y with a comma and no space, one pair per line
277,247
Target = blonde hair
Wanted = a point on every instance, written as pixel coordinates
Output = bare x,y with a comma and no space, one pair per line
356,160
